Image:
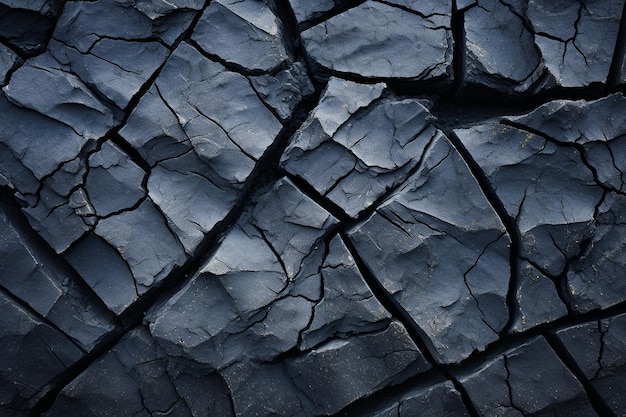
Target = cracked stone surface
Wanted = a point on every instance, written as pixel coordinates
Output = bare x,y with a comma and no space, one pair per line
312,208
369,41
528,380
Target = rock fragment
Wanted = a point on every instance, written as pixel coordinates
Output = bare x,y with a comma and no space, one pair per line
597,348
440,250
370,41
356,156
204,143
245,33
527,380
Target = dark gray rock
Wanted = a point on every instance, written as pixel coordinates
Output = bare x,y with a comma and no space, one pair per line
9,60
355,368
133,379
527,380
440,250
203,141
43,85
113,182
433,401
598,349
526,47
576,39
117,60
370,41
31,274
594,278
305,10
144,241
26,25
254,296
33,353
105,271
548,189
245,33
356,156
347,306
284,91
500,50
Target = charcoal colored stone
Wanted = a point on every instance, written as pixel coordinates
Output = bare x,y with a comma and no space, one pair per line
597,347
32,275
305,11
550,192
204,143
370,41
594,279
440,250
105,271
348,306
33,353
527,380
113,182
500,52
372,151
26,25
117,60
285,90
355,368
129,379
260,281
143,240
9,60
245,33
60,95
436,400
576,40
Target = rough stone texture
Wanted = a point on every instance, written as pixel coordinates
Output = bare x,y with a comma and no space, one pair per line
527,380
598,349
285,90
352,158
203,144
31,274
528,46
133,379
545,168
459,303
32,354
312,208
369,41
437,400
26,25
245,33
9,60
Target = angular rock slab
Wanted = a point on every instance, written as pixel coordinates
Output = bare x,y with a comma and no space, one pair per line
255,294
527,380
436,400
134,379
598,349
528,47
438,247
355,145
245,33
9,60
274,287
202,129
26,25
545,168
371,41
33,353
32,274
117,60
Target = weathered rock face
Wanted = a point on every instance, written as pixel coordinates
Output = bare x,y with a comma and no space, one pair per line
312,208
